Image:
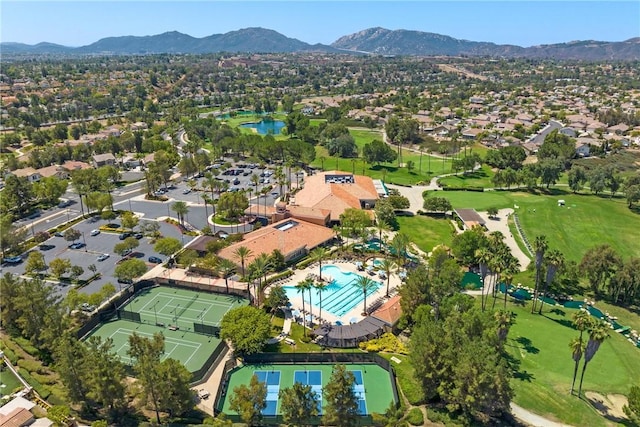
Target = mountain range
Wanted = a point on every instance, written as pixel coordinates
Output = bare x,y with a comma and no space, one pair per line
378,41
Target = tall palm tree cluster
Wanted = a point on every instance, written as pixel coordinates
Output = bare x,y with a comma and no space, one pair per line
495,259
598,332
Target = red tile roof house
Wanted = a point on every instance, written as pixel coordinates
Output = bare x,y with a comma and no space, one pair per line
294,238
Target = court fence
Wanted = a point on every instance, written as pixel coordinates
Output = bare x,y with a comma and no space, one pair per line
302,358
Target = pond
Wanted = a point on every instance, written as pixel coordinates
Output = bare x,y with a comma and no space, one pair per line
265,126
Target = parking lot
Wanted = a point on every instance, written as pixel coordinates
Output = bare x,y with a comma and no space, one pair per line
103,243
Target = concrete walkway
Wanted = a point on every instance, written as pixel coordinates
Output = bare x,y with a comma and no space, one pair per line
532,419
500,223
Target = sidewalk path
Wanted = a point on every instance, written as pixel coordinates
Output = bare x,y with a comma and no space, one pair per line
532,419
500,223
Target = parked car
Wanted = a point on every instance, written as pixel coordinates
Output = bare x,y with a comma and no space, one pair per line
103,257
77,245
124,235
58,234
13,260
186,191
125,281
155,260
203,394
95,232
138,235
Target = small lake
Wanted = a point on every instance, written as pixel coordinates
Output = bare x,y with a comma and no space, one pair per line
265,127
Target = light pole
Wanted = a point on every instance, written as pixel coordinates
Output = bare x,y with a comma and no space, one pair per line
68,215
85,242
130,209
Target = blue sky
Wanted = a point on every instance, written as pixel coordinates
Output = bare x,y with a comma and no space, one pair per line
524,23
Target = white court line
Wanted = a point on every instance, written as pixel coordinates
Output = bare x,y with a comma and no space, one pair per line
204,300
186,343
168,302
192,354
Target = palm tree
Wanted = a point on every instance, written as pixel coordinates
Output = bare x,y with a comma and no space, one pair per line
598,332
483,255
211,182
540,247
365,284
318,255
510,269
581,321
302,287
259,268
225,268
181,209
388,265
320,286
242,253
399,245
554,259
381,226
577,349
206,200
504,320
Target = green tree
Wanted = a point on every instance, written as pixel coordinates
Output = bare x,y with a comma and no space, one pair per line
301,288
437,204
632,408
577,350
242,253
71,235
342,407
126,245
167,246
388,266
277,298
465,245
129,220
354,220
146,354
59,267
378,152
365,284
106,377
599,264
298,404
540,247
130,269
35,263
175,394
577,177
318,255
181,209
226,268
554,260
385,212
249,402
598,332
247,328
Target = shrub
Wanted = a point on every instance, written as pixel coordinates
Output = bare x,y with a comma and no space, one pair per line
27,346
387,343
42,390
13,358
44,379
415,417
30,365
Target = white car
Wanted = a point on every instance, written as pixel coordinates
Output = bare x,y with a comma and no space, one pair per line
103,257
95,232
203,394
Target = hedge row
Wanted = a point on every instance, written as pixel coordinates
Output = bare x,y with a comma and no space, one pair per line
453,188
43,391
13,358
26,345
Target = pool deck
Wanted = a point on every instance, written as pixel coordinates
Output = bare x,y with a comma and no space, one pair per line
346,266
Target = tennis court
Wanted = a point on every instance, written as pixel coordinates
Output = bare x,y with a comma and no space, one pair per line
372,385
189,321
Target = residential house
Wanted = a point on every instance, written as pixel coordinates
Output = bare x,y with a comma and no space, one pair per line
568,131
106,159
30,173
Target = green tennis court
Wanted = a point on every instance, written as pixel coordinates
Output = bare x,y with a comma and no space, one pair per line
189,321
372,386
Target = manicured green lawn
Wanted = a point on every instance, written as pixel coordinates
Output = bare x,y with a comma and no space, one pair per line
426,232
480,178
539,346
584,221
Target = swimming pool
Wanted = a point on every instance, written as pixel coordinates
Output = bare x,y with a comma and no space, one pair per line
339,297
